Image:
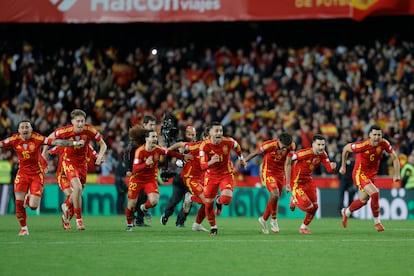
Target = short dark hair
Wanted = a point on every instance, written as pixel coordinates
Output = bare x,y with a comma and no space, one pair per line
148,131
205,133
318,137
23,121
285,138
149,118
215,123
374,127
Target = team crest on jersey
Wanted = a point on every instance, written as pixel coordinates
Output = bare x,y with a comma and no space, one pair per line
226,149
315,160
32,146
379,150
156,156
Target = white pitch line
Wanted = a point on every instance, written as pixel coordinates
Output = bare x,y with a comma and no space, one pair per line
207,241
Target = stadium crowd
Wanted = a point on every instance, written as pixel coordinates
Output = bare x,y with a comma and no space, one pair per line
256,91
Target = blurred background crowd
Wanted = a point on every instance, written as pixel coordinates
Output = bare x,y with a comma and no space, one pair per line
257,86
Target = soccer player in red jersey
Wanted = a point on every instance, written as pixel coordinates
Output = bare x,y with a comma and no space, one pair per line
219,171
64,183
192,176
369,153
145,170
30,176
75,160
274,153
299,176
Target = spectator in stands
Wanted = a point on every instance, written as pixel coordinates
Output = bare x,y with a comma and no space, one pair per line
407,173
268,86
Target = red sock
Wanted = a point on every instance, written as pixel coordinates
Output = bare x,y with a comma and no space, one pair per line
211,216
201,214
196,199
310,214
355,205
224,199
67,201
375,207
129,213
71,212
148,205
78,212
270,209
20,213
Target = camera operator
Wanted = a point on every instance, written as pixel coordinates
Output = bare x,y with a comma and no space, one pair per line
150,122
179,188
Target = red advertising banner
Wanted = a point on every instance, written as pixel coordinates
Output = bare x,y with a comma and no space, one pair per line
122,11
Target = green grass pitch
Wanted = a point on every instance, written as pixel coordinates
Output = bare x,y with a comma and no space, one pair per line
104,248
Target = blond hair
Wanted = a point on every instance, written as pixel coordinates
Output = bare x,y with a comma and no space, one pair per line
77,112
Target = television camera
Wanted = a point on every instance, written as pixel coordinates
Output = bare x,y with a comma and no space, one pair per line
169,132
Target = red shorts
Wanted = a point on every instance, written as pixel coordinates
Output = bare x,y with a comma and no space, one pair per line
361,180
135,187
63,181
33,182
213,183
195,185
73,171
305,196
273,182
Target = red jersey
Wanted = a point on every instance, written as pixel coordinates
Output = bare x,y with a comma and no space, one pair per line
305,162
223,150
59,150
28,151
141,169
77,154
192,168
274,158
368,157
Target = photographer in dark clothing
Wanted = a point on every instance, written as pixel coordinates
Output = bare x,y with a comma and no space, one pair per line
178,192
346,184
120,172
179,188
